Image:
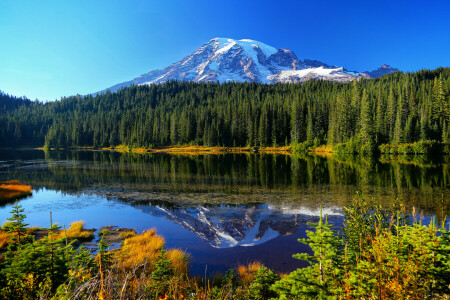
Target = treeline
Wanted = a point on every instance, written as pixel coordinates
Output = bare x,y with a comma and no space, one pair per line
396,108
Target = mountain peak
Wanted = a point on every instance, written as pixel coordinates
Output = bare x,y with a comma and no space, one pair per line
248,45
382,70
247,60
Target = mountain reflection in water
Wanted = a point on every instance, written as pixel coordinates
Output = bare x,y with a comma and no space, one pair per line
222,209
227,226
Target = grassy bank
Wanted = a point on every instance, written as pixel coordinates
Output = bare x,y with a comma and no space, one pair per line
185,149
12,190
354,146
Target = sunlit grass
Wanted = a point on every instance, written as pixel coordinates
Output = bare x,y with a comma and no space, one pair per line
143,248
13,189
4,238
76,231
247,273
180,261
140,249
127,234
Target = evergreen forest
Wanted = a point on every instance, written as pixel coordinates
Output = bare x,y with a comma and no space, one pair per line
394,109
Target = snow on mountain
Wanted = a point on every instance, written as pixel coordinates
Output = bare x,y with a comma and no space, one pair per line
225,227
224,59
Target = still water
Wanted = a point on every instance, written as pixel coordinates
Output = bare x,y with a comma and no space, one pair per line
224,210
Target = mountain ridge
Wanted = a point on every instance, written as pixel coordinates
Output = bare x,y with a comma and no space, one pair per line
246,60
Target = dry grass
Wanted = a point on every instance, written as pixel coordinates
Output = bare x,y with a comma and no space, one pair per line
247,273
4,238
13,189
140,249
279,150
180,261
323,149
127,234
76,231
202,150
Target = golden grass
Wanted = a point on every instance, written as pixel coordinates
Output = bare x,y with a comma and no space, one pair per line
247,273
13,189
281,150
4,238
192,150
180,261
324,148
127,234
140,249
76,231
143,248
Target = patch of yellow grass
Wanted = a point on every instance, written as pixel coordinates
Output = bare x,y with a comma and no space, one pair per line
140,249
141,150
122,148
143,248
13,189
282,150
180,261
76,231
127,234
324,148
4,238
247,273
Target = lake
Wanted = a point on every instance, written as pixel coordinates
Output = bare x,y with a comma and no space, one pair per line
224,210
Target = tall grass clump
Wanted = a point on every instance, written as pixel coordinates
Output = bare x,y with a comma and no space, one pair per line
140,249
76,231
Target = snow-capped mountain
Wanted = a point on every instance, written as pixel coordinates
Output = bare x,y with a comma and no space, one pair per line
225,227
224,59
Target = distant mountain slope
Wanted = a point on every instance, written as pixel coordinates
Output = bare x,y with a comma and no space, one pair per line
382,70
223,59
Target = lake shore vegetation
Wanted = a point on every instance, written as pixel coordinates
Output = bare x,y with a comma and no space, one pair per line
382,253
12,190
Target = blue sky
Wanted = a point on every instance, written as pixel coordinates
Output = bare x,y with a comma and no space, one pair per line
50,49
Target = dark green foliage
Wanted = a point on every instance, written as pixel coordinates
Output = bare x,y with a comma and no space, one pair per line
421,147
317,281
162,274
33,269
260,288
395,108
17,227
381,255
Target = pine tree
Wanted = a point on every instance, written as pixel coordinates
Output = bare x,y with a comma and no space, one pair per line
320,279
17,226
391,116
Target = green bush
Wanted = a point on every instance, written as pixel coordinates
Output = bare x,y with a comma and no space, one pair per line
425,147
301,147
385,148
380,255
405,149
421,147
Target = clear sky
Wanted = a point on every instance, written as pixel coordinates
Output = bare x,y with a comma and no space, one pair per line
50,49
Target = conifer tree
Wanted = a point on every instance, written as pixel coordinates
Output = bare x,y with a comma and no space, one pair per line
17,226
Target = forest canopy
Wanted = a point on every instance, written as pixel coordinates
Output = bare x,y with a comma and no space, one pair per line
396,108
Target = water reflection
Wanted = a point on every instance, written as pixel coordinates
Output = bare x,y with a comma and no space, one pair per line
222,209
225,226
307,180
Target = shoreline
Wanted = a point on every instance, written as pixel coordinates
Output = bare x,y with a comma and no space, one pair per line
185,150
